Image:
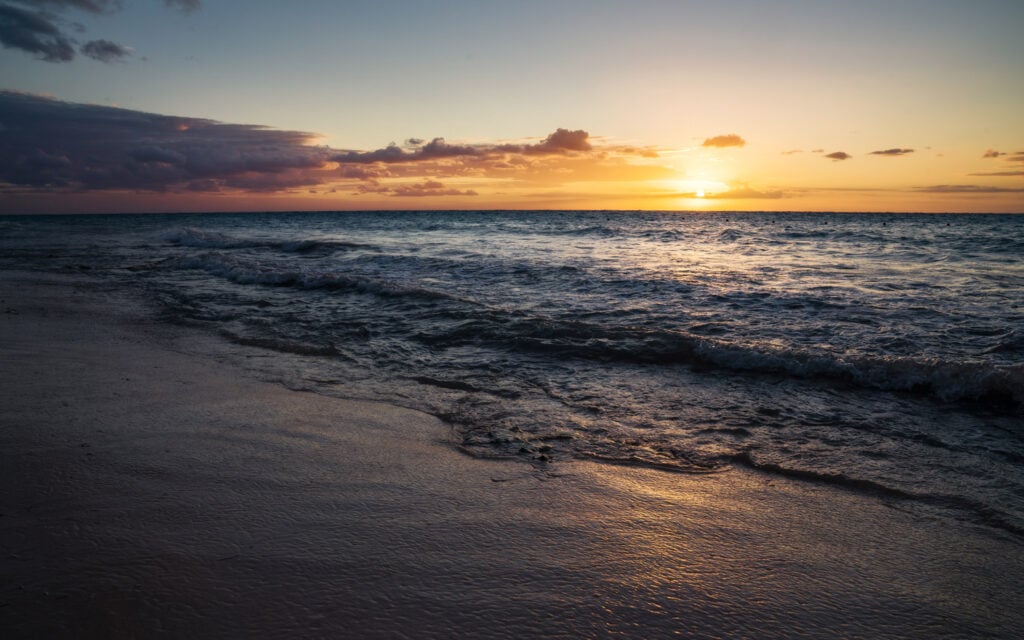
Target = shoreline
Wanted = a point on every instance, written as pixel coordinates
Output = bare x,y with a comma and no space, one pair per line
154,491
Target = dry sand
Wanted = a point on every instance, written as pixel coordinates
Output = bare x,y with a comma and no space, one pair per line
152,490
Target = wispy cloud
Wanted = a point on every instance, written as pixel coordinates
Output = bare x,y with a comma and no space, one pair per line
998,173
105,50
892,152
428,188
839,155
727,140
744,193
792,152
967,188
1016,156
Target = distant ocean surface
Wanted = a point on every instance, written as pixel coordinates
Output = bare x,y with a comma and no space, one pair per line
880,353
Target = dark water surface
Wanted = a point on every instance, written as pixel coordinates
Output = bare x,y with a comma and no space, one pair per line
883,353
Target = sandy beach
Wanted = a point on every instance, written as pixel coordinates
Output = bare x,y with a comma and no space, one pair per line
151,488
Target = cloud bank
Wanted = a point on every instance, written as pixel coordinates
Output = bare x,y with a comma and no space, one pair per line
51,146
54,145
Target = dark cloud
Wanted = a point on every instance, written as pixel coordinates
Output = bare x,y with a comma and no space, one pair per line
52,145
967,188
39,31
992,153
105,50
35,33
839,155
436,148
728,140
999,173
562,141
892,152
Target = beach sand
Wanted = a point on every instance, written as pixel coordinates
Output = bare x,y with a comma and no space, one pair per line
151,488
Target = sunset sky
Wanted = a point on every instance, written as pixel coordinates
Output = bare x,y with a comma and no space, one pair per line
216,105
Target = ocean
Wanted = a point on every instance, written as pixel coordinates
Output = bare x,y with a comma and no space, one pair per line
878,353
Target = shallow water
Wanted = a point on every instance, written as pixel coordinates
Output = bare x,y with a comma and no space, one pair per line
883,353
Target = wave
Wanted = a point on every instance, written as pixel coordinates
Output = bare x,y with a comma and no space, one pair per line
948,380
200,239
254,273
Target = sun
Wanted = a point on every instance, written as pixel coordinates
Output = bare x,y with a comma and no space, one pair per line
697,187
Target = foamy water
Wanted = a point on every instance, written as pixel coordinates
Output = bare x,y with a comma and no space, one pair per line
882,353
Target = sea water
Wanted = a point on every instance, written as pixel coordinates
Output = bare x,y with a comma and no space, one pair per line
880,353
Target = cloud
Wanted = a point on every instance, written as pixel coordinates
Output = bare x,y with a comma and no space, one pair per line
992,153
892,152
60,146
792,152
561,141
999,173
839,155
425,188
105,50
34,32
51,146
38,32
741,193
428,188
727,140
967,188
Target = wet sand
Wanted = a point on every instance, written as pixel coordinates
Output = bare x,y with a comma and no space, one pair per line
151,488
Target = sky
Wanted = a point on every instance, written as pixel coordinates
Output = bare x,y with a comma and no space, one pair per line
242,105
